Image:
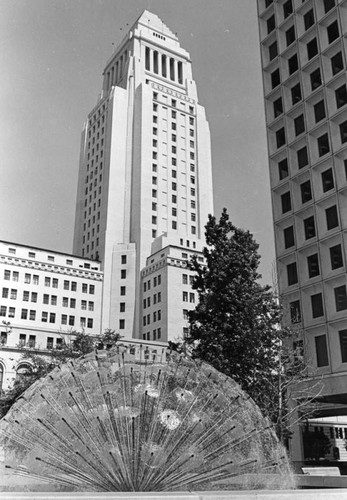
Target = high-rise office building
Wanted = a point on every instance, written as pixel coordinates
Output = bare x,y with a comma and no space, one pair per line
303,52
145,183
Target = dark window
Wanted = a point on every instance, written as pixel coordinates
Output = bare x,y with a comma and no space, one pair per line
270,24
286,202
292,273
323,144
288,237
268,2
313,265
312,48
343,131
343,346
296,93
309,228
309,19
290,35
306,191
299,125
124,259
333,31
321,350
336,257
273,51
293,64
316,79
328,5
122,307
302,157
331,216
287,8
275,78
280,137
283,169
341,96
278,107
295,311
319,111
317,305
340,298
147,58
337,63
327,180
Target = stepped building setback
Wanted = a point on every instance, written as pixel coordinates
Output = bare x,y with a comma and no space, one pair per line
145,183
144,195
303,51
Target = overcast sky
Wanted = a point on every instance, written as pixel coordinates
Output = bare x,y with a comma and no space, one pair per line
52,55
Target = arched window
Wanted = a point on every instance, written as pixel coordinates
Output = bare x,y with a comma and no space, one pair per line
23,370
1,376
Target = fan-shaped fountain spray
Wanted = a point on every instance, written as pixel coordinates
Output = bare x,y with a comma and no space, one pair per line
115,421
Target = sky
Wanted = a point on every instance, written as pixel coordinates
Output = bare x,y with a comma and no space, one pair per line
52,56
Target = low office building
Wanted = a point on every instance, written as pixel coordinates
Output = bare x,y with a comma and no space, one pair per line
44,295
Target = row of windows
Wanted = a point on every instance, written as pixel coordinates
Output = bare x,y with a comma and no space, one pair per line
288,10
32,255
31,314
161,64
336,63
156,335
317,307
190,295
322,141
156,300
115,73
306,195
332,221
47,299
53,282
146,320
156,282
313,267
319,109
322,356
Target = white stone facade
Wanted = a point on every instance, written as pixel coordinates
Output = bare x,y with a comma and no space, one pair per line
145,171
44,295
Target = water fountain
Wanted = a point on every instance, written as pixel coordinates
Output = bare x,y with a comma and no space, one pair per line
122,420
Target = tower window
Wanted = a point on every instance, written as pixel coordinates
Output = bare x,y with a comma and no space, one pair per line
302,157
273,51
313,265
333,31
331,217
316,79
343,347
321,350
278,107
289,237
292,274
275,78
319,111
283,169
309,19
295,311
290,35
340,298
317,305
336,63
299,125
172,69
163,65
328,5
280,137
296,93
343,131
293,64
341,96
287,8
312,48
306,192
323,144
309,228
327,180
286,202
336,257
155,62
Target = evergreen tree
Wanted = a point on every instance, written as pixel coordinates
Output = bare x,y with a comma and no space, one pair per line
235,326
